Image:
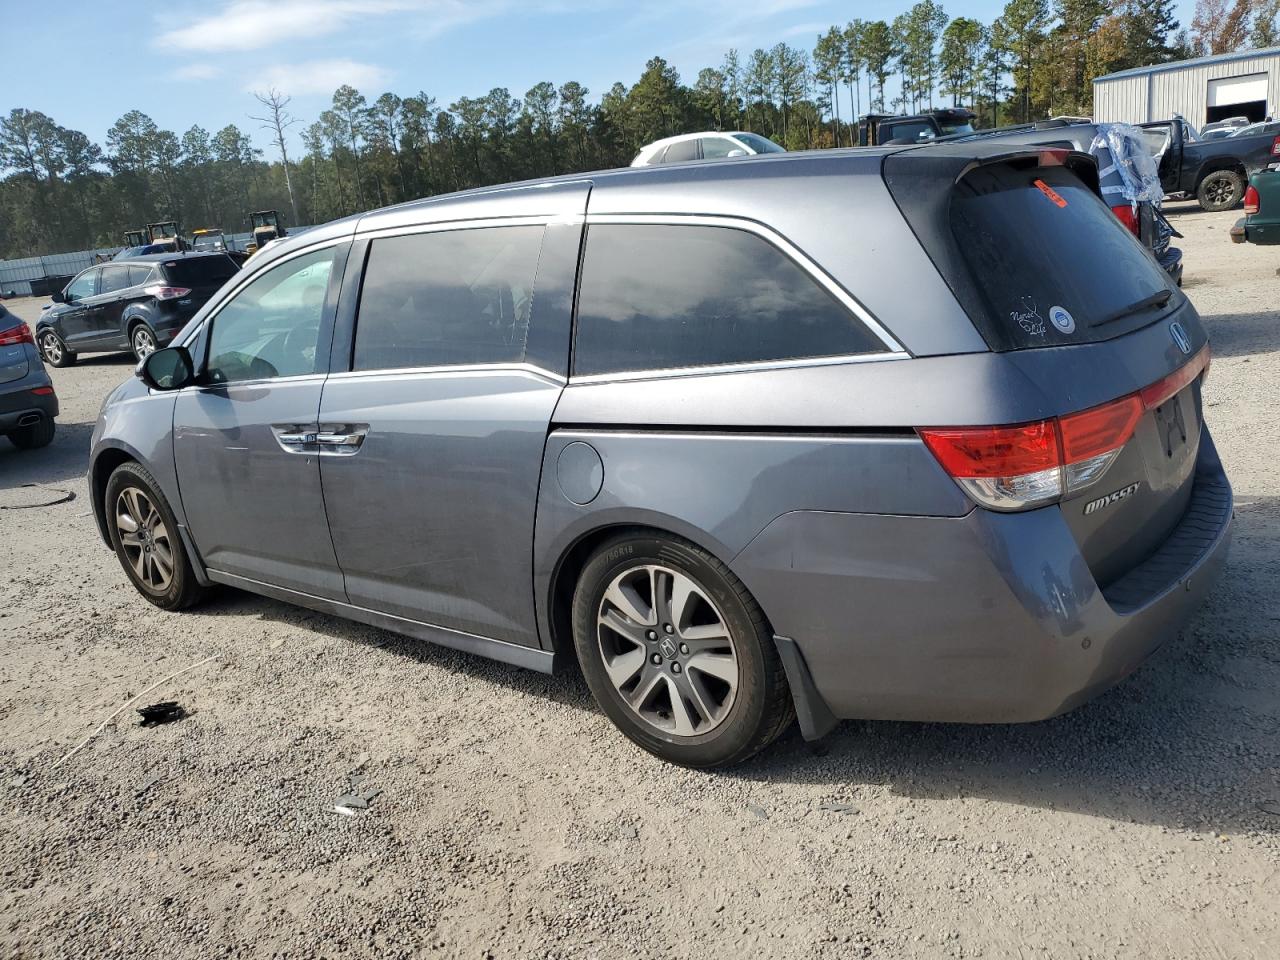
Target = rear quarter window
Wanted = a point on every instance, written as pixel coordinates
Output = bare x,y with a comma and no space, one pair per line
656,297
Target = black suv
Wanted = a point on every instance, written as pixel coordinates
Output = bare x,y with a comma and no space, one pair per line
137,305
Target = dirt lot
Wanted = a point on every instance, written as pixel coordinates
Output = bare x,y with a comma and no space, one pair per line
513,821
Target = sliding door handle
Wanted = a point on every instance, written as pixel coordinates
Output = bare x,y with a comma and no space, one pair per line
295,437
342,439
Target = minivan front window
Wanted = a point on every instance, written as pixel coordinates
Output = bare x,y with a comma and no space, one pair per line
270,327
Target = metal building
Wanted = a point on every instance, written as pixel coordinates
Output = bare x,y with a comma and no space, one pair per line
1202,90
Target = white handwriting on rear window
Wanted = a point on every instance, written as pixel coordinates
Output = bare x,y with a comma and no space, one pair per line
1028,318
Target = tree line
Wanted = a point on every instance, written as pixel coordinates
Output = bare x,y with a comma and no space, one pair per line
61,191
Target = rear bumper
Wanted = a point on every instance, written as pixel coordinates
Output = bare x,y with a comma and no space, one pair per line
980,619
19,406
1243,231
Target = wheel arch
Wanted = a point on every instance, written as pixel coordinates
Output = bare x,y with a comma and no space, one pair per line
575,554
1216,164
105,463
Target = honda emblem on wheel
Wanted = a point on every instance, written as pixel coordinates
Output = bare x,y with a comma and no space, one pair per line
1180,337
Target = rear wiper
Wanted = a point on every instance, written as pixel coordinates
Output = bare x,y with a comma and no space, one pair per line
1146,303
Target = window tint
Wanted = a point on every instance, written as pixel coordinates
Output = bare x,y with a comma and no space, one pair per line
83,285
715,147
681,150
139,273
211,271
455,297
683,296
270,327
1053,264
113,279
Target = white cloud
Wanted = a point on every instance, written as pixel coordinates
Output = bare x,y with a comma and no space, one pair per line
197,71
318,76
255,24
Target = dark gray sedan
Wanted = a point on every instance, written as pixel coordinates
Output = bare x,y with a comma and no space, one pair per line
909,433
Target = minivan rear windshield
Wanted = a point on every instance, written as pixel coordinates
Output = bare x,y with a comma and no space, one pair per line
1035,257
199,271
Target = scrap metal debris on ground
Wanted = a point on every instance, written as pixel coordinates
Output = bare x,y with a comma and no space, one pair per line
159,713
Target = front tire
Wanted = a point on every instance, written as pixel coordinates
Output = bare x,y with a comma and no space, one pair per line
677,653
145,537
54,350
34,436
142,341
1220,190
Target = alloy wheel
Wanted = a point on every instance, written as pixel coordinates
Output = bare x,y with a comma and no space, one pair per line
1220,190
145,538
143,343
52,347
667,650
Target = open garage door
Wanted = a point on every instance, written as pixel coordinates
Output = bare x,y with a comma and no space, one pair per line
1238,97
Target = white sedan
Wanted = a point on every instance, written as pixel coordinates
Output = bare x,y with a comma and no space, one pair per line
712,145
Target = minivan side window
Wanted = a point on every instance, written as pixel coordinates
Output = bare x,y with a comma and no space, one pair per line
664,296
680,151
270,327
449,298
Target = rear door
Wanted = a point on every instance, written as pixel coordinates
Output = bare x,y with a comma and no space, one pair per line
450,358
113,293
245,436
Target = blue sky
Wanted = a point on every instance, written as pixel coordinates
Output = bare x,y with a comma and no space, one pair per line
184,62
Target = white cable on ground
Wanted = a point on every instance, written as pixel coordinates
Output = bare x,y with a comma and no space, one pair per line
102,726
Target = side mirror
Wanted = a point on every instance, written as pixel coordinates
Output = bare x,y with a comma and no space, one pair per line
736,153
167,369
58,296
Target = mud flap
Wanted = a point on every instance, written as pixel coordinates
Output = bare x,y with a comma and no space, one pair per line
816,718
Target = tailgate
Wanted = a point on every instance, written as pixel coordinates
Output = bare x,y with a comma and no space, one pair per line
1123,518
13,362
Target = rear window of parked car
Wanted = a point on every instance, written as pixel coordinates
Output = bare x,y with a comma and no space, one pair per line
200,271
449,298
658,296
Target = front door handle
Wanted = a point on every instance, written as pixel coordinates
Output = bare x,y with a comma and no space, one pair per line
295,437
342,439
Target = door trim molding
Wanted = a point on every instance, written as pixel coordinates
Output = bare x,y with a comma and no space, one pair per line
531,658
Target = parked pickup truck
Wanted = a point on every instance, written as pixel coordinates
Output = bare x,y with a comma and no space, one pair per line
1213,171
1261,222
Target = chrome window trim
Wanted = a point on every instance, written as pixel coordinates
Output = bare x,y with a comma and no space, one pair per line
767,233
468,369
447,226
754,366
258,381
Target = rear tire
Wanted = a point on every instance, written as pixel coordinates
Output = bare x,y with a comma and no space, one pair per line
691,673
54,349
1220,190
34,436
142,341
145,537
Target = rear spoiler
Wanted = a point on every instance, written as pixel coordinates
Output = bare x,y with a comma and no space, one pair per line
956,161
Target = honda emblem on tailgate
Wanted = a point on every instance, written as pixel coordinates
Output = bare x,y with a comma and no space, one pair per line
1180,337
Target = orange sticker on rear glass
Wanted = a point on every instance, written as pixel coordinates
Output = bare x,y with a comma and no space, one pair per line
1051,193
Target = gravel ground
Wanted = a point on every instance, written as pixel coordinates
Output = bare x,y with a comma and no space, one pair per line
513,821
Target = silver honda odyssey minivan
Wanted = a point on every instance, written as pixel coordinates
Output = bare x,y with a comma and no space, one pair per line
911,433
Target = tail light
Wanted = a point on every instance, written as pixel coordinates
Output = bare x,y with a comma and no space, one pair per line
166,293
11,336
1128,216
1275,147
1251,201
1032,464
